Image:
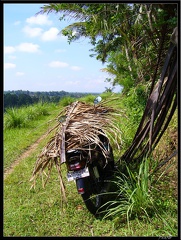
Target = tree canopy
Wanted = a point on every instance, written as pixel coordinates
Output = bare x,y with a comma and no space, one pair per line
132,39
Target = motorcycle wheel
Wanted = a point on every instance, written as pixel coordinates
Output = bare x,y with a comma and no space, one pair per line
92,200
93,203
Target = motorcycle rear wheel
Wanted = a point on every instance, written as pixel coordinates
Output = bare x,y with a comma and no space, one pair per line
93,203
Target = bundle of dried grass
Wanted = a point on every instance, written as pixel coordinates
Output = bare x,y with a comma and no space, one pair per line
79,125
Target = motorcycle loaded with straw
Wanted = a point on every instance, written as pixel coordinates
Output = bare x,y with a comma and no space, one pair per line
81,142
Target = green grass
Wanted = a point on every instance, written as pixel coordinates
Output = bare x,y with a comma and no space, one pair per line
39,211
18,139
138,199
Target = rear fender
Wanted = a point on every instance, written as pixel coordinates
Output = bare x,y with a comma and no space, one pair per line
83,185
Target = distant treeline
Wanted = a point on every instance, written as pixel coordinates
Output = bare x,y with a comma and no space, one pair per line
22,98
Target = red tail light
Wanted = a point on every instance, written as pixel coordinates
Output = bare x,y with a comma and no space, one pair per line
76,165
81,191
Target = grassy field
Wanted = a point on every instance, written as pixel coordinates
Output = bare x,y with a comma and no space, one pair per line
41,212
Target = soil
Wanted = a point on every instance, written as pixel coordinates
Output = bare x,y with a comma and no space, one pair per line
25,154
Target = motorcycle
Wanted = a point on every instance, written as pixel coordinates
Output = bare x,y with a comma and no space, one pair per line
84,147
92,171
92,175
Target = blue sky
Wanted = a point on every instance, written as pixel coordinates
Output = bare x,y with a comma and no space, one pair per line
37,58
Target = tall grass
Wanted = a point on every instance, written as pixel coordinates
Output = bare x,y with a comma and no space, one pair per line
66,101
21,117
136,198
133,194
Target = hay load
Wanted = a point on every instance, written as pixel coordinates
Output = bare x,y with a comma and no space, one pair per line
78,127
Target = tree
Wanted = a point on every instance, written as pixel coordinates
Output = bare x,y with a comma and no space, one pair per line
10,100
132,38
24,99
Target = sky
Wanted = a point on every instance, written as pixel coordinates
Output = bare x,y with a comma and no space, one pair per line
38,58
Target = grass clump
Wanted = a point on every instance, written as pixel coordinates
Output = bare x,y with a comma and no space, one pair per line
21,117
14,118
137,198
66,101
133,193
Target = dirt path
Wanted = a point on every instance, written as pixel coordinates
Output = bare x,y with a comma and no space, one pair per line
25,154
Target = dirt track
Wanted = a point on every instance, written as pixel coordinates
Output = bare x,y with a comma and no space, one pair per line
25,154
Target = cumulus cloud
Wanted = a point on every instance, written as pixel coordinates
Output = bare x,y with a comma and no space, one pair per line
50,35
39,20
28,47
76,68
9,65
9,49
58,64
19,73
32,32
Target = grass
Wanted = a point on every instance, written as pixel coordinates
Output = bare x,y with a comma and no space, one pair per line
39,211
18,139
138,199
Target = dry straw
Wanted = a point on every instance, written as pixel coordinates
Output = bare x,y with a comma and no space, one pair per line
78,127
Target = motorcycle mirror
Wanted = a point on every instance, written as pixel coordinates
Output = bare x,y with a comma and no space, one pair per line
97,100
62,119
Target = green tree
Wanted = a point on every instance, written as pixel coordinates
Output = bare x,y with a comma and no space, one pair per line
132,38
10,100
24,99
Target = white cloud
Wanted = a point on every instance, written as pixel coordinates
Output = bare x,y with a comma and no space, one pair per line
75,33
9,49
39,20
9,65
19,73
76,68
32,32
16,23
72,83
12,57
57,64
60,50
50,35
28,47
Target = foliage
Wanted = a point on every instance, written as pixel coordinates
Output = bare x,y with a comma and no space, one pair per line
20,117
13,119
25,98
135,101
133,191
66,101
137,197
133,38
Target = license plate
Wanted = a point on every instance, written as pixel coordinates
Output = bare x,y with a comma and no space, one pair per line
78,174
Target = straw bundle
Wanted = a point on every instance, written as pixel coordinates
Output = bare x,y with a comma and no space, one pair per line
79,125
